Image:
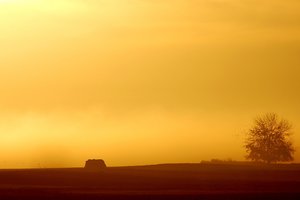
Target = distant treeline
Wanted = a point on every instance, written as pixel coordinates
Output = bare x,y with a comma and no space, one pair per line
230,161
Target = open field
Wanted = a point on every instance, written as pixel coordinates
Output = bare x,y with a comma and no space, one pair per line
176,181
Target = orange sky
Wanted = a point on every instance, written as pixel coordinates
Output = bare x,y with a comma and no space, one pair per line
142,82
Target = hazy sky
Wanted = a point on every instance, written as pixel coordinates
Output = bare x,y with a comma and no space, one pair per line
143,81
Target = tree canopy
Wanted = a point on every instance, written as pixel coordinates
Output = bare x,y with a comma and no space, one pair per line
269,140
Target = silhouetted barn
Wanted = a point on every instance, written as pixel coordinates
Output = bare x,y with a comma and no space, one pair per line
95,164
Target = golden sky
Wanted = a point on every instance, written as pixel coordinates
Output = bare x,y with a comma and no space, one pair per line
143,81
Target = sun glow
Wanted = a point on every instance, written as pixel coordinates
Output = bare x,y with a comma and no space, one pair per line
10,1
50,7
142,82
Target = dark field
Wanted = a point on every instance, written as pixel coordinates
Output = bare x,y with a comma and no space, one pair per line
180,181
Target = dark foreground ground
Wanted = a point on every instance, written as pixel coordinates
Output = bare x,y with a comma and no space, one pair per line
180,181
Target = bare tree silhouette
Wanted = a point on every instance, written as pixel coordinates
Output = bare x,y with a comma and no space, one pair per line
269,140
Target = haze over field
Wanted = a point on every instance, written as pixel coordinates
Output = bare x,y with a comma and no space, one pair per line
142,81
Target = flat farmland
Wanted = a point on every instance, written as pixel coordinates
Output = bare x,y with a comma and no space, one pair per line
166,181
